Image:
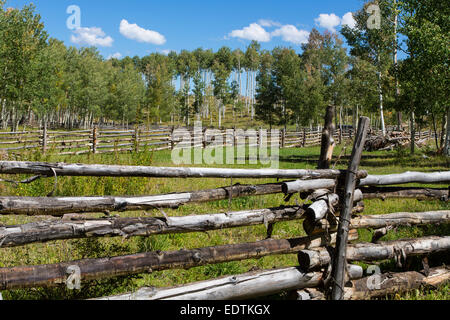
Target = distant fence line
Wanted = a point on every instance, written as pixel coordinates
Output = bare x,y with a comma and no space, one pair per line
100,141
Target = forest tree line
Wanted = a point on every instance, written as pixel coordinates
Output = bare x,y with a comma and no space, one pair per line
358,71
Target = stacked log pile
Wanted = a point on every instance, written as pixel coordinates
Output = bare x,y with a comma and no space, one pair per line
388,142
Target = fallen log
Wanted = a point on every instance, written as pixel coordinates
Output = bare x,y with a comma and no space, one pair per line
55,274
380,221
11,236
368,252
392,283
62,205
96,170
244,286
407,177
404,193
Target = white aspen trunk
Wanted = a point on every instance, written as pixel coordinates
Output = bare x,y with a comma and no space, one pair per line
447,139
220,115
247,94
413,132
397,87
251,95
380,90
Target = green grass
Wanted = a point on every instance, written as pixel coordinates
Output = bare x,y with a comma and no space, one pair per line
54,252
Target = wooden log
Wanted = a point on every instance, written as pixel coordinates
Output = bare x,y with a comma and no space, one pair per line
55,274
239,287
405,193
21,148
54,136
339,263
380,221
19,142
62,169
11,236
319,209
354,272
392,283
70,132
328,143
368,252
323,205
407,177
69,141
305,186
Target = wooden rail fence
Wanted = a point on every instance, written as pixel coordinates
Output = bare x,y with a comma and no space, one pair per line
99,141
107,141
326,200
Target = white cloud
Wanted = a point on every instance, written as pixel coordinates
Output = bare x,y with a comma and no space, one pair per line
134,32
92,37
252,32
116,55
348,20
290,33
269,23
331,21
165,51
328,21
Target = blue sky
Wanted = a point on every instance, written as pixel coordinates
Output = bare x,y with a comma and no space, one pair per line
136,27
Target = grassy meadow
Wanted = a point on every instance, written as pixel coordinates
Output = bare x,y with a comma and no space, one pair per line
59,251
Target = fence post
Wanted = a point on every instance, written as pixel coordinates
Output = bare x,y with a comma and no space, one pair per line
283,138
304,137
172,143
44,138
94,140
327,143
340,256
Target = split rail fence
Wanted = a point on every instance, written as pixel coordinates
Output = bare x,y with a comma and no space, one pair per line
108,141
100,141
324,189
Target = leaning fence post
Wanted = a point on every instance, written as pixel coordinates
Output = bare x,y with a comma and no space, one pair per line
340,257
94,140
